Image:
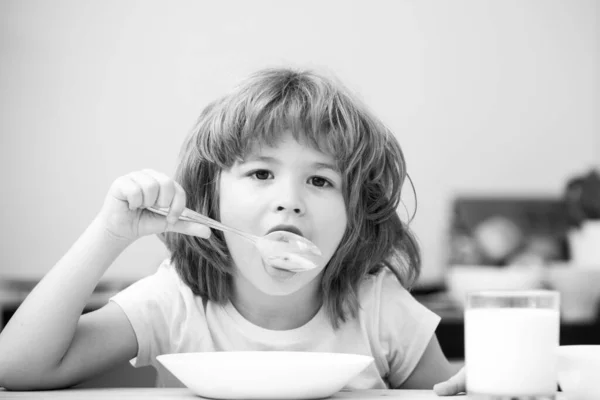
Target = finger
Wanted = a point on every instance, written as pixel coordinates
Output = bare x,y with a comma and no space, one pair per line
166,187
127,190
150,187
452,386
177,204
446,389
190,228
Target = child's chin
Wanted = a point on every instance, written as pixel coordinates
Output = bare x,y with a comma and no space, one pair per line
280,282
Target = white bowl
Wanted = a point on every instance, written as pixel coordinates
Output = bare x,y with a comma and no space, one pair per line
579,371
463,279
264,374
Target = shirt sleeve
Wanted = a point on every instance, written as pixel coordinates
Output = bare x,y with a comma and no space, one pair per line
404,327
150,304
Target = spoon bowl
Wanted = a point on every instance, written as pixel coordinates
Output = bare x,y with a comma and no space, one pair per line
281,249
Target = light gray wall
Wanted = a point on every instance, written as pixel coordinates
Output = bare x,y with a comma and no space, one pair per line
485,96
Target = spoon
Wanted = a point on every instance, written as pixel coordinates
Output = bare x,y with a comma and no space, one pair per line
285,249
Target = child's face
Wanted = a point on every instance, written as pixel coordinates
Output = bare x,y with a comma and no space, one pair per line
289,184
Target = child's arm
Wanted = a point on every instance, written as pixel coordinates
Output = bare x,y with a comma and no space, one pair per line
47,343
433,368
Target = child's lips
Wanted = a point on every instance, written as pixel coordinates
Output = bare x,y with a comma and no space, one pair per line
287,228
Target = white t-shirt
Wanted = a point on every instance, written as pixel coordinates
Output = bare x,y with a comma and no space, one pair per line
391,326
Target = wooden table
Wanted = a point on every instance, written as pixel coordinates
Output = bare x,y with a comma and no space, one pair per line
166,394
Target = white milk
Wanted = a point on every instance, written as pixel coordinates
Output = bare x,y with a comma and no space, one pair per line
511,351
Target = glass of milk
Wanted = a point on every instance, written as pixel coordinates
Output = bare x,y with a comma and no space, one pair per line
511,341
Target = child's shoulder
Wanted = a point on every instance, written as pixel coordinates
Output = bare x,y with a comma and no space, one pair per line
166,270
165,278
383,279
159,290
387,305
379,286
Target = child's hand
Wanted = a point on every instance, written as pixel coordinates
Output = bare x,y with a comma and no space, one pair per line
124,214
452,386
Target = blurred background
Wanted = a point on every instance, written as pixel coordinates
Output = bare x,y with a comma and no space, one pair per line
496,105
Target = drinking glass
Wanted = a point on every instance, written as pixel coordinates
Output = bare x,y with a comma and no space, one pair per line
511,342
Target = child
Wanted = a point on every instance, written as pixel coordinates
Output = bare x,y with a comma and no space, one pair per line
286,150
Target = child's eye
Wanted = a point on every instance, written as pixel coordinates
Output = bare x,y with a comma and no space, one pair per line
261,174
320,182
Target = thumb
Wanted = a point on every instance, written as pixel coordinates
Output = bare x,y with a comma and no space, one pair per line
190,228
452,386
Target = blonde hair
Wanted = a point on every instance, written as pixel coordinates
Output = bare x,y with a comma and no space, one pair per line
321,111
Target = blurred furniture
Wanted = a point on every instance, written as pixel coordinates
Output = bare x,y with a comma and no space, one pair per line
450,331
499,231
13,291
511,243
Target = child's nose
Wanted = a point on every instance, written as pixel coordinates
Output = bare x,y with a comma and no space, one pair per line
289,199
296,210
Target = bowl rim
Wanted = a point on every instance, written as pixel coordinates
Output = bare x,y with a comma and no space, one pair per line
272,354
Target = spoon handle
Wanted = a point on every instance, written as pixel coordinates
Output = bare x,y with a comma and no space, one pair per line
193,216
